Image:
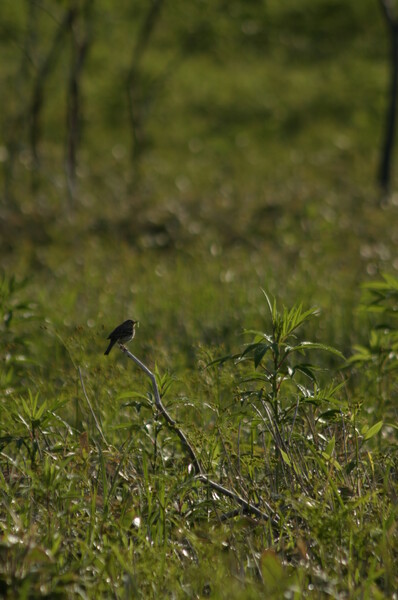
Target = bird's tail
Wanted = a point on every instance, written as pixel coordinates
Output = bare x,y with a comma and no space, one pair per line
109,348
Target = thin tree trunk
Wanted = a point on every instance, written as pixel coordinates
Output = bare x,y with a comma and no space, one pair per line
74,106
134,91
37,100
15,126
384,176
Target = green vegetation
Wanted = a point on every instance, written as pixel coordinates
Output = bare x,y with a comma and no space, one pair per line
244,230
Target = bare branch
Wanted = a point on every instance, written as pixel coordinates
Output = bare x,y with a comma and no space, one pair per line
43,72
135,102
80,46
384,175
246,505
241,501
160,406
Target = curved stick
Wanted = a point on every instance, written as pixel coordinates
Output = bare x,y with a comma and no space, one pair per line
159,405
248,506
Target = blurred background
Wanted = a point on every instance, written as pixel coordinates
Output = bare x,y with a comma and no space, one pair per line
165,160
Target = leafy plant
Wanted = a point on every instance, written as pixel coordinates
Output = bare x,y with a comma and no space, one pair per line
31,423
283,383
378,359
16,314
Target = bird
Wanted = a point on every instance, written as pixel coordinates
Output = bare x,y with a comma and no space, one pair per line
123,334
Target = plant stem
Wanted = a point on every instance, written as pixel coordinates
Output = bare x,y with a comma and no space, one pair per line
248,506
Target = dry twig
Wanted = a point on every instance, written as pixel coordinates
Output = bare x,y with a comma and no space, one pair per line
171,423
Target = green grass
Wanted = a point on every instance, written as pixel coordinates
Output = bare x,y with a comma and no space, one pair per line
120,511
257,173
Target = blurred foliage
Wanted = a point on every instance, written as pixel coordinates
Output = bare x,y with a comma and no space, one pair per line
222,88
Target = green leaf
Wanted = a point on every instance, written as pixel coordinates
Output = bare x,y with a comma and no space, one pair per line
294,318
259,334
40,411
253,346
393,425
26,408
259,353
335,464
329,415
305,369
362,354
373,430
268,302
330,447
314,346
285,457
223,359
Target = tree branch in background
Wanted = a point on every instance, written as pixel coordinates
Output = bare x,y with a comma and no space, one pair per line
80,42
15,124
171,423
37,99
134,85
384,175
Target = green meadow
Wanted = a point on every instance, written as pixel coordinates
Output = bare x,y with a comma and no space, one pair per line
210,170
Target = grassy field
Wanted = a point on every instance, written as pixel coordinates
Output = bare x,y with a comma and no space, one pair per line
249,238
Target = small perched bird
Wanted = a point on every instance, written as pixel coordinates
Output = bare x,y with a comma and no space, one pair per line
123,334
